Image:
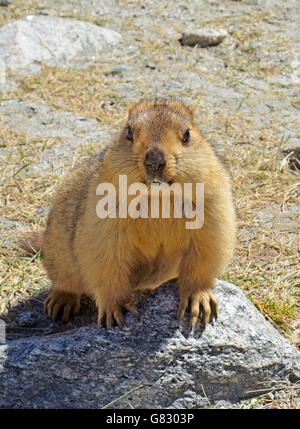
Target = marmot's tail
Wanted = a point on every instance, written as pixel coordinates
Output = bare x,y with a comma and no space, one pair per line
32,242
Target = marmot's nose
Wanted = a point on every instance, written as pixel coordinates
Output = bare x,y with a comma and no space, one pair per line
154,161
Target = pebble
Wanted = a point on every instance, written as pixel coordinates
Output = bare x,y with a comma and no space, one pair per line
118,69
5,2
203,38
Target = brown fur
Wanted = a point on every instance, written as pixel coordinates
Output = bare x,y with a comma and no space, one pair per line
110,258
32,243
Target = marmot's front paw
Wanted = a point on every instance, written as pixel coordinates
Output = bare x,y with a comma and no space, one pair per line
108,315
205,299
58,300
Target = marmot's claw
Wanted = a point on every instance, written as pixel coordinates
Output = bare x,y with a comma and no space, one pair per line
59,300
203,300
192,328
184,301
214,307
132,309
111,317
118,315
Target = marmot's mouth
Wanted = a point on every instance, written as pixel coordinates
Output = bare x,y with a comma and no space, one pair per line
158,181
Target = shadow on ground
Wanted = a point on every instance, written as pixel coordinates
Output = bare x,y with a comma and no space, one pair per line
28,318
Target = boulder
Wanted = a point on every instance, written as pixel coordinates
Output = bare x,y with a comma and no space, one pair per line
92,366
27,43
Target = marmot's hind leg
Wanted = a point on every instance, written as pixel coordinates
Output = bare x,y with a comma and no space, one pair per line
62,304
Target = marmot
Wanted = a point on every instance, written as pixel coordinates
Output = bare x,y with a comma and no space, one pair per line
110,258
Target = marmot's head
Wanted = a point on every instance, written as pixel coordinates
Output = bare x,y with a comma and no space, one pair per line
164,141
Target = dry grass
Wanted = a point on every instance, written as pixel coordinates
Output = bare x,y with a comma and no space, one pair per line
281,396
87,92
18,9
269,256
21,196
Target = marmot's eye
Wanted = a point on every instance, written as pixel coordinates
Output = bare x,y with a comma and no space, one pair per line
129,134
186,136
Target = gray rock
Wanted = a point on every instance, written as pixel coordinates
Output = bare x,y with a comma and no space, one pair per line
2,73
2,333
5,2
42,212
91,366
28,318
5,84
203,37
27,43
120,68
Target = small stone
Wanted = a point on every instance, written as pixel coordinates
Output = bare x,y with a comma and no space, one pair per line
5,2
118,69
203,38
42,211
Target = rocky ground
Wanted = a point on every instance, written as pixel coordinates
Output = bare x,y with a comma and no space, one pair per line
64,97
153,364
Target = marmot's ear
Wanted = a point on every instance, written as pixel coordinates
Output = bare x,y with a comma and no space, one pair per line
129,108
191,110
125,115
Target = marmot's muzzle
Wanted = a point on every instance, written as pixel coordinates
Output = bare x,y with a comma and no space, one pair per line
154,161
